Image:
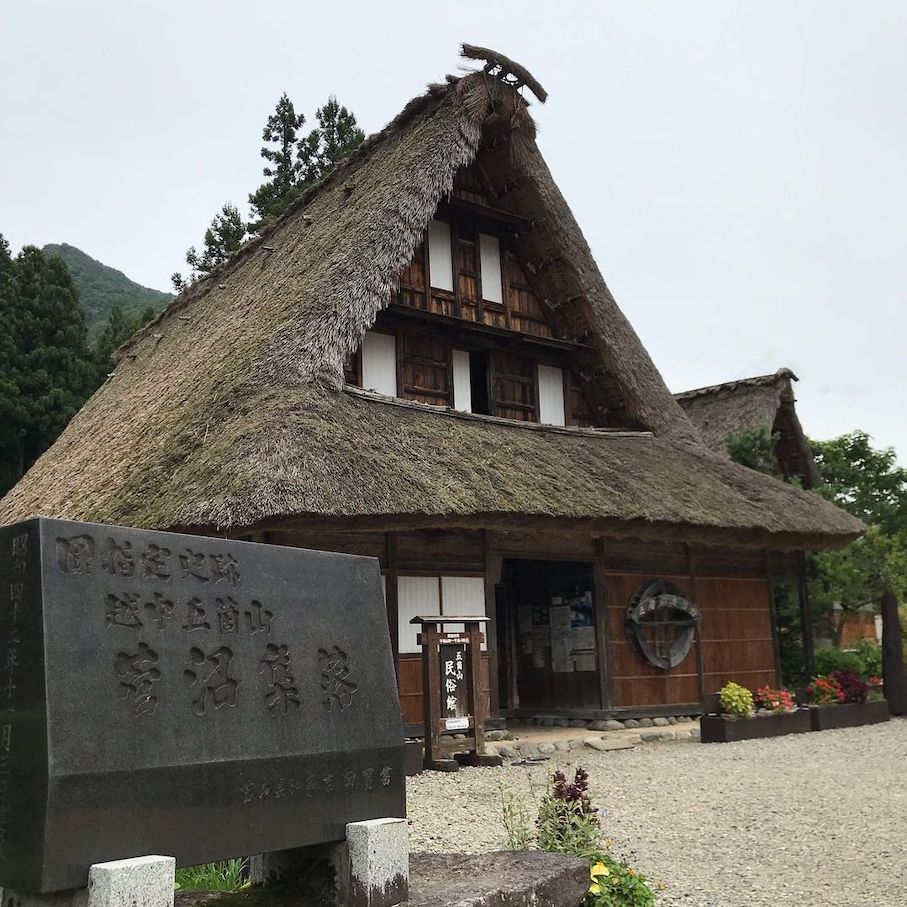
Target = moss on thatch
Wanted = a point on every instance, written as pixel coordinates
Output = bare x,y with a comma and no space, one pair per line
228,411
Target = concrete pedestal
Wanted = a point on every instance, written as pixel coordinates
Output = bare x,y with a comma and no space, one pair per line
139,882
370,868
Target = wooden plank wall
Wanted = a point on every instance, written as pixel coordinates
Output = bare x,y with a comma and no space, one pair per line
731,589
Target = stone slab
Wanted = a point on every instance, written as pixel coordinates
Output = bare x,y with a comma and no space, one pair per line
200,697
511,878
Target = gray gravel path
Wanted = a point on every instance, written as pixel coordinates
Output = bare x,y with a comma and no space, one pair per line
811,820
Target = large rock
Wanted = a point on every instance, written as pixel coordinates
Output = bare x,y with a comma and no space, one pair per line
511,878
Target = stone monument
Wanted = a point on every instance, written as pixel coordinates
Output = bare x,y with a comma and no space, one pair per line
198,697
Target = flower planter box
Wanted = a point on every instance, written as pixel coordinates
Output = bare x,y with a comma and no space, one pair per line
727,729
849,714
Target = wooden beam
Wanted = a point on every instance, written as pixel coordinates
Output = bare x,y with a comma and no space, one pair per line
694,590
806,624
602,650
776,642
493,564
391,587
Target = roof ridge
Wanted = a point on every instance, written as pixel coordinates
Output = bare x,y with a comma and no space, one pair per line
756,381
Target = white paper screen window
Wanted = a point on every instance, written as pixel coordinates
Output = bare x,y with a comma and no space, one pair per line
551,395
490,260
379,363
461,381
462,595
440,263
417,596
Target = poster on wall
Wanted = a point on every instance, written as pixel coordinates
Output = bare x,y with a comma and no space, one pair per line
561,638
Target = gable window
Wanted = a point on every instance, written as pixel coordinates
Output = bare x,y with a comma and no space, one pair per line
440,256
490,260
551,395
379,363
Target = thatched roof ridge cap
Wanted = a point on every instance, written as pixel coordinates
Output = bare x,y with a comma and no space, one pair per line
782,374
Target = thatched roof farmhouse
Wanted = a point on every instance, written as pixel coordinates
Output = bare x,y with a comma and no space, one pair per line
517,442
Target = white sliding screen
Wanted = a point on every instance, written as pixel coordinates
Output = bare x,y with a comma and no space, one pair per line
462,384
379,363
416,596
490,259
551,395
440,261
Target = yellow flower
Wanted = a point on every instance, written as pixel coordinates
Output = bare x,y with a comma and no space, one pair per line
595,888
599,869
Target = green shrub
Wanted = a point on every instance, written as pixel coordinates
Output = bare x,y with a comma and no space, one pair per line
226,876
832,659
870,653
735,699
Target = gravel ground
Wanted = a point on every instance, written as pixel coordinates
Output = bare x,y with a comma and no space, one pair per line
810,820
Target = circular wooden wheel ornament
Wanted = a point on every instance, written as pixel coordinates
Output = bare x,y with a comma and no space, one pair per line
661,623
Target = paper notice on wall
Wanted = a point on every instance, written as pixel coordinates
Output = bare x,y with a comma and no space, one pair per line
540,641
526,641
561,639
524,619
584,661
583,638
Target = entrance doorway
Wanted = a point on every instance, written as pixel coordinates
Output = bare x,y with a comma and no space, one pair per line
545,614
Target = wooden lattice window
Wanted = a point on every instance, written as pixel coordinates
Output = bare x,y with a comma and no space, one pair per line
514,387
424,363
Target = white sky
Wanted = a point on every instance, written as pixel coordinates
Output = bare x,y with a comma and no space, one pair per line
739,169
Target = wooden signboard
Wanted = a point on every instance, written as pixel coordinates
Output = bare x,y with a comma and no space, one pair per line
451,665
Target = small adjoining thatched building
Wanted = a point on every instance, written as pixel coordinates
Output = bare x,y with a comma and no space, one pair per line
765,402
421,362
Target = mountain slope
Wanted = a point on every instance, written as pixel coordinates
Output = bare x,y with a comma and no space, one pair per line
100,286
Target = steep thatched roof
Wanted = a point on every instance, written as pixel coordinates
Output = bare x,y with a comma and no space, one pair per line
766,401
228,410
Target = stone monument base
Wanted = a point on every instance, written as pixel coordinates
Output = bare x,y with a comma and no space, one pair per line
370,868
139,882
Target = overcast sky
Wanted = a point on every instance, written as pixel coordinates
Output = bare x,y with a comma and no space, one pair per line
739,169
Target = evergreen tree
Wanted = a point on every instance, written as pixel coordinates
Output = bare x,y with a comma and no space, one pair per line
223,237
295,164
45,359
117,330
292,165
284,166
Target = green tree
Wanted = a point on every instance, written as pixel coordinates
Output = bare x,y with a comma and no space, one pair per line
284,166
224,236
46,362
868,483
755,448
294,163
118,328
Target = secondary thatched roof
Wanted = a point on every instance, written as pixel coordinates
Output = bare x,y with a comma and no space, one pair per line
228,410
766,401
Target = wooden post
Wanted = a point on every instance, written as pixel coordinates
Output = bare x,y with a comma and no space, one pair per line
600,603
893,655
391,587
493,564
806,624
776,642
694,594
